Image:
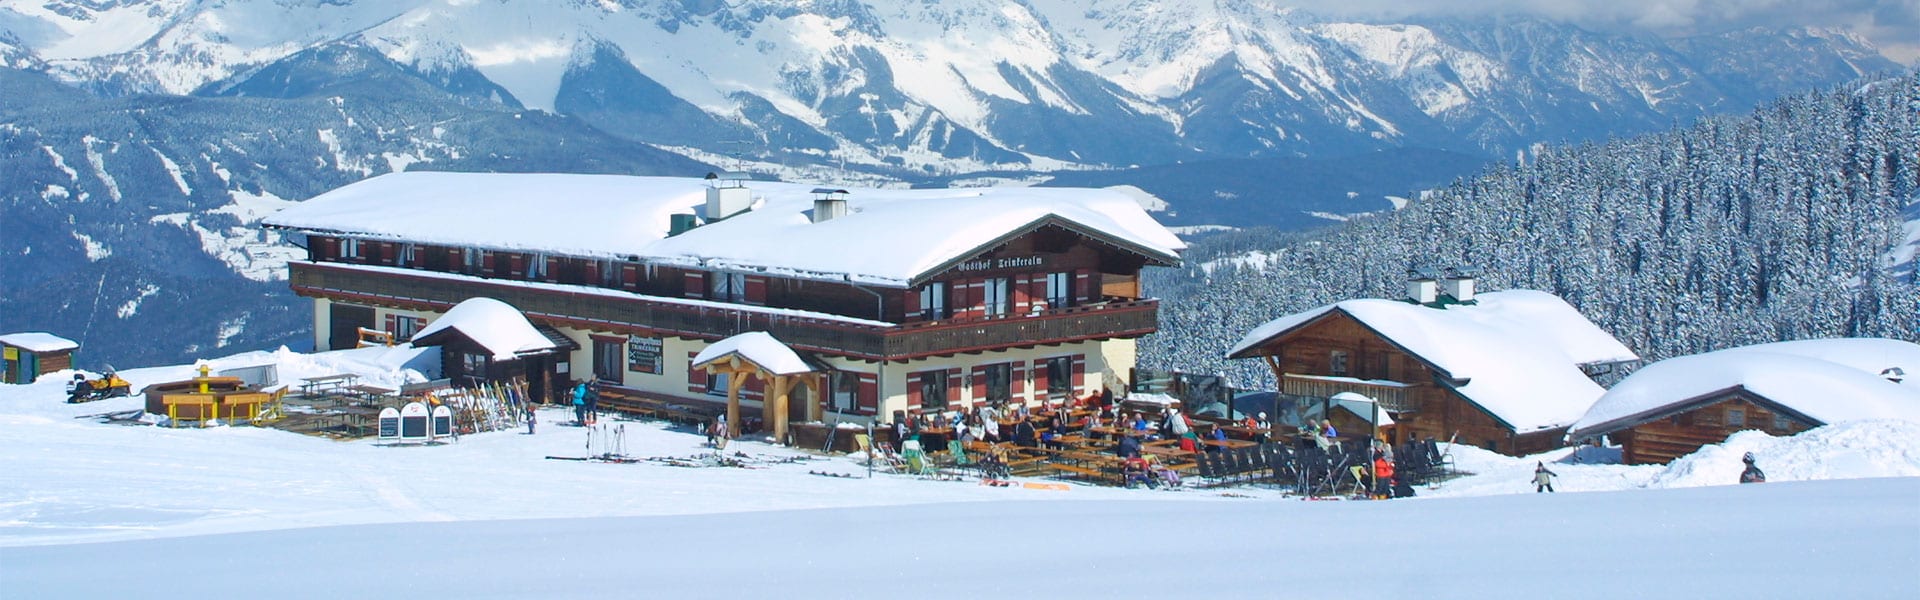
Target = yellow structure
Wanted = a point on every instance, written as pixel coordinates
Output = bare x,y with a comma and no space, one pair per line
206,398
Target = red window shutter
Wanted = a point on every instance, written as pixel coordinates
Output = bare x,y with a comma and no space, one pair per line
696,284
517,264
390,324
554,265
329,248
979,384
1040,382
1079,372
1037,291
1082,287
911,300
1019,381
756,291
629,276
1021,301
456,260
953,387
696,377
487,260
867,402
913,391
592,267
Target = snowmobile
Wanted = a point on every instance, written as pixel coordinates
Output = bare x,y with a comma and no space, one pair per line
106,386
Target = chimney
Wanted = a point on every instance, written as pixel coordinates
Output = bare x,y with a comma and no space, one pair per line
1460,283
1423,286
727,194
829,204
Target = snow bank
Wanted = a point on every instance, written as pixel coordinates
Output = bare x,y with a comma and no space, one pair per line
1853,450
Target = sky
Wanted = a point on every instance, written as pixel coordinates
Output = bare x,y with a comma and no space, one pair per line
1893,25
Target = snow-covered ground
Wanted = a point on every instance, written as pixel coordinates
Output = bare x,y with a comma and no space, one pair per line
96,510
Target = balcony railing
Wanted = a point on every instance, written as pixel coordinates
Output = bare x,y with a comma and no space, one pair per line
1393,397
629,313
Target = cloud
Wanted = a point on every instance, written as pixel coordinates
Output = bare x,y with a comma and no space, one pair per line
1891,24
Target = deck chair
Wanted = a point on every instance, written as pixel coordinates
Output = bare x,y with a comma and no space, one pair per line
915,458
1359,476
957,455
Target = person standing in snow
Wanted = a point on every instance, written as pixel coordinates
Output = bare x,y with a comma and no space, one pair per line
580,403
1542,478
593,402
1753,474
531,418
718,432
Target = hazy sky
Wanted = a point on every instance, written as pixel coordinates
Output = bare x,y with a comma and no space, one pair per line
1893,25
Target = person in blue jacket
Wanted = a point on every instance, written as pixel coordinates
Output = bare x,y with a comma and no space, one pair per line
580,403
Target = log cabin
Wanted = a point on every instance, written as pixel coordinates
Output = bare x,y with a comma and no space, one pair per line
1507,371
912,300
26,356
1671,408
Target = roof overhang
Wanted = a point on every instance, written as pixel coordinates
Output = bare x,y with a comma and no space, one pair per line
1689,404
1153,257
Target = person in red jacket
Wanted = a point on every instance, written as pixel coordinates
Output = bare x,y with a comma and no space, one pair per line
1382,477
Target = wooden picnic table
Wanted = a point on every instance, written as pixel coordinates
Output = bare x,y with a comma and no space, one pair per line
327,384
1166,453
1229,444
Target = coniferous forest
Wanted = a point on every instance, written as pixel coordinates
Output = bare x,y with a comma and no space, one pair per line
1778,225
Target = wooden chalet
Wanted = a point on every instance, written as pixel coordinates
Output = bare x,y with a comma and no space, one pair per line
26,356
911,300
1507,371
483,340
1673,407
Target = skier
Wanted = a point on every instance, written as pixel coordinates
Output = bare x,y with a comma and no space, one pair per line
530,420
717,433
593,402
1753,474
580,403
1542,478
1382,477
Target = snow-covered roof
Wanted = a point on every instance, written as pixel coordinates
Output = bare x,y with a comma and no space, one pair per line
1831,380
758,347
35,341
494,325
888,236
1519,351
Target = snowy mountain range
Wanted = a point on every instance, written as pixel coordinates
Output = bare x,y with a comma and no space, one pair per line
144,139
955,85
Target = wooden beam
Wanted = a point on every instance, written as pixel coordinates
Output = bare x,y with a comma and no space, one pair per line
734,383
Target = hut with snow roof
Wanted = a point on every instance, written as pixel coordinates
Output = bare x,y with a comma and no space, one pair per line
1507,371
1673,407
26,356
483,340
917,300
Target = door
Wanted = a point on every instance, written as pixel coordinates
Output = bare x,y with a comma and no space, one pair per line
797,402
343,325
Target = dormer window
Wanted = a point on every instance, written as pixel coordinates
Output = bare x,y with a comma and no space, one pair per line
537,266
727,287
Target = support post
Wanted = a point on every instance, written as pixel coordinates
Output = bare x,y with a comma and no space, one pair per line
734,382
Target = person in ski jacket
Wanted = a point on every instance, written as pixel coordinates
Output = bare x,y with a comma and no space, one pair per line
531,418
580,403
1542,478
593,402
717,434
1753,474
1024,435
1382,477
1128,446
1177,424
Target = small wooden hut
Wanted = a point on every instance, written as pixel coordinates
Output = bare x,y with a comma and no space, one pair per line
26,356
483,340
782,371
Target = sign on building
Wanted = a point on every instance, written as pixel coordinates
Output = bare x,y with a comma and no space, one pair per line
643,354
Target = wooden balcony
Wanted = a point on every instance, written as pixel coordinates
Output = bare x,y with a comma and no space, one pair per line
1393,397
627,313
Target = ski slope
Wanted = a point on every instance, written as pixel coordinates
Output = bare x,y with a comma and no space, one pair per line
91,510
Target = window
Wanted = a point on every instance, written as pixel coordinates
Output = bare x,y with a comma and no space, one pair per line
1059,290
1736,417
608,358
933,300
1060,377
717,384
609,273
1338,364
933,391
727,287
845,391
999,382
537,266
470,260
404,327
473,365
406,256
997,299
1782,423
349,248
